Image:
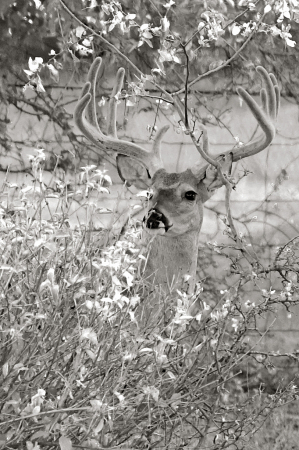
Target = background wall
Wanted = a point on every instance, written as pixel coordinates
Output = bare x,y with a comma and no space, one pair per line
265,201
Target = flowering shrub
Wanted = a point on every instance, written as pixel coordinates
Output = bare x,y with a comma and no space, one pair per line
91,357
83,364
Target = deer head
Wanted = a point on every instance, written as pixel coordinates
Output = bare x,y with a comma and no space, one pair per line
175,211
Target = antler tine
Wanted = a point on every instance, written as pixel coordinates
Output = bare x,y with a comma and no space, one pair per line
112,107
265,116
96,70
264,99
205,139
270,82
80,120
85,89
86,120
277,92
260,115
158,139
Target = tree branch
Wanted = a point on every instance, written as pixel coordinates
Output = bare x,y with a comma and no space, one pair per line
113,49
226,63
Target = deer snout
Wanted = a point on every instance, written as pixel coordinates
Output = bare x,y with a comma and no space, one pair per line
155,219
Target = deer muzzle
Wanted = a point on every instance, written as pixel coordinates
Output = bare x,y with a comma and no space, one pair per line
155,220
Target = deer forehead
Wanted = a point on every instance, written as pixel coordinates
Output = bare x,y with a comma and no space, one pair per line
172,181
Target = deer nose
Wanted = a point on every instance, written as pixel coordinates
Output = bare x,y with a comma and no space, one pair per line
155,219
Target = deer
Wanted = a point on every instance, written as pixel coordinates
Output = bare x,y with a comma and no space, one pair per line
174,215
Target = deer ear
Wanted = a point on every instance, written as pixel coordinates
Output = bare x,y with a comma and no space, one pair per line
211,180
133,172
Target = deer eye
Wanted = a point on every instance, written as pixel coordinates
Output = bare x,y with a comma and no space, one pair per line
190,195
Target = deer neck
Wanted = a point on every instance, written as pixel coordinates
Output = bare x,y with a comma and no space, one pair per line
170,259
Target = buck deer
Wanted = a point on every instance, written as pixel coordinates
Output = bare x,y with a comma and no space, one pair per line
175,210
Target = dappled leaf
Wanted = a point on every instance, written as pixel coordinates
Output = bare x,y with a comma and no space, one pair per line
89,334
53,72
39,434
65,443
31,446
152,391
99,426
5,369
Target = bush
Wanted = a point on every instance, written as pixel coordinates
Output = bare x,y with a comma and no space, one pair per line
92,358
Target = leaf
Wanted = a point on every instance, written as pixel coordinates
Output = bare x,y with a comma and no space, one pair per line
267,9
148,42
290,43
111,26
198,317
34,64
99,427
153,391
54,74
129,277
145,194
36,410
103,210
235,29
75,59
38,434
44,286
169,4
103,190
65,443
26,189
5,369
186,317
88,333
80,31
146,350
115,280
175,399
89,304
146,34
28,72
171,375
91,354
96,404
107,178
130,16
165,24
162,403
39,85
50,275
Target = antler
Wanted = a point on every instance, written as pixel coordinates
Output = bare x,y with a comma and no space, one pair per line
265,115
86,120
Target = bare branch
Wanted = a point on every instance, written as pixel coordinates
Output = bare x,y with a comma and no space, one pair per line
225,64
113,48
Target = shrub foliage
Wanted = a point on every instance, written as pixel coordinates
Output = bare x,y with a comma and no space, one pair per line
91,358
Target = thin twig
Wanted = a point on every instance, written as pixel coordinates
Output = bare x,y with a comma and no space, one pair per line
226,63
186,85
113,48
43,413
